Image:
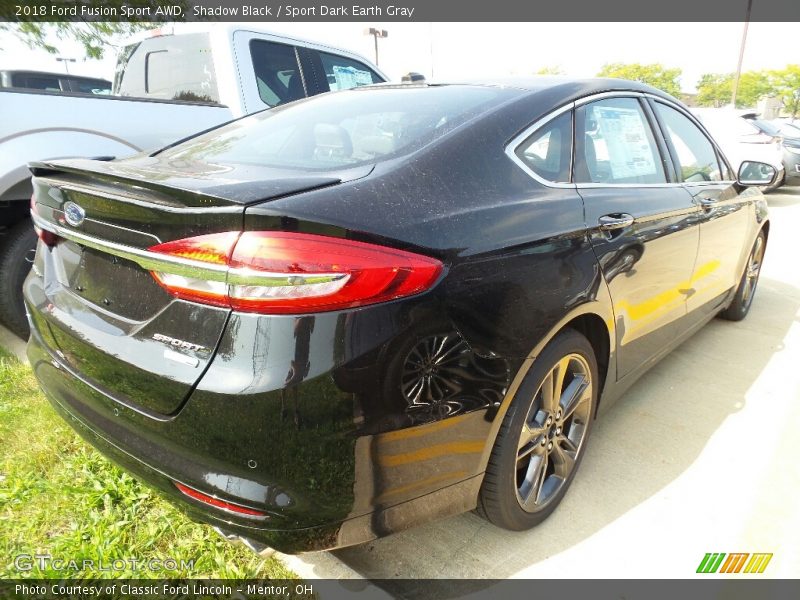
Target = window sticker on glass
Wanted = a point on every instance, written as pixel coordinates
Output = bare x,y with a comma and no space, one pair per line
626,140
349,77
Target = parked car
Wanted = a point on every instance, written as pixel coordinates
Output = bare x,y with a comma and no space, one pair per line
790,143
361,311
742,140
166,88
53,82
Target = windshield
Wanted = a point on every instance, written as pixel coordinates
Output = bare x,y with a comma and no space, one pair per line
342,129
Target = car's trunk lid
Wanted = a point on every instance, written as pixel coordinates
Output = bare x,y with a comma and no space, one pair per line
98,308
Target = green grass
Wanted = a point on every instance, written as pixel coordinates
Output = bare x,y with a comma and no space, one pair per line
60,497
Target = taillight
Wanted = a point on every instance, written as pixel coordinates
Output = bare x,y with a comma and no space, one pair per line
217,503
47,237
290,273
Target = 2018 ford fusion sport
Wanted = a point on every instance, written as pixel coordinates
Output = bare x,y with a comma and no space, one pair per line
342,317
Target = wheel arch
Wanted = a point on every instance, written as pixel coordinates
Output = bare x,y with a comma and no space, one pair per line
595,320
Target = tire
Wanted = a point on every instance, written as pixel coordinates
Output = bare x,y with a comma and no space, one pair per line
535,439
743,298
16,258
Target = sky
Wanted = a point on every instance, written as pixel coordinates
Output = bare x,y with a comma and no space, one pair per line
447,51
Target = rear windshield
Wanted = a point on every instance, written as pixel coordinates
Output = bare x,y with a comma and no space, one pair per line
342,129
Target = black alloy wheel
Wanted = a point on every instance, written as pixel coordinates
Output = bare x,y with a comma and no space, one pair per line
543,435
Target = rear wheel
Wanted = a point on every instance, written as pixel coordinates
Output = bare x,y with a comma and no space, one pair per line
747,285
543,436
16,258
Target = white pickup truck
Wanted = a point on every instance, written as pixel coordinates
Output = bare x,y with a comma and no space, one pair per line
166,87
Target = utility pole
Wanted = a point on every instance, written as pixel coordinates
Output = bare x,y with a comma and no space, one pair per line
66,62
741,54
377,33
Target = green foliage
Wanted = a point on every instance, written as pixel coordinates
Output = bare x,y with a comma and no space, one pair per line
43,32
654,74
552,70
752,86
95,37
785,84
716,89
60,497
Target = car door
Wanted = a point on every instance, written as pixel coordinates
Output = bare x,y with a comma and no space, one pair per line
724,215
643,225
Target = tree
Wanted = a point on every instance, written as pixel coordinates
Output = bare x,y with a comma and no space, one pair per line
715,89
557,70
654,74
95,36
786,84
752,86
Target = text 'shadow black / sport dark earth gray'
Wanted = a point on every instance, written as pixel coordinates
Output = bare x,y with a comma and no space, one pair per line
342,317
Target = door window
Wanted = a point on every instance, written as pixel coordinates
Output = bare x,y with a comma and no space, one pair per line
277,71
614,144
696,155
547,152
344,73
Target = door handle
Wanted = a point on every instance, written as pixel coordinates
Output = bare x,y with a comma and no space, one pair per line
615,221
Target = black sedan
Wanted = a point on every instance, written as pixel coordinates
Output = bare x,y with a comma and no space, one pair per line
358,312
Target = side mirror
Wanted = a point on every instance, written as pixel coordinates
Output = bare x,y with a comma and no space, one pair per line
756,173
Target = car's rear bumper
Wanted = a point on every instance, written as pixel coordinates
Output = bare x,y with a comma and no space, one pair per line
310,456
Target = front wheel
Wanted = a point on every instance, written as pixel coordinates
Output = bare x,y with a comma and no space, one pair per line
747,285
543,436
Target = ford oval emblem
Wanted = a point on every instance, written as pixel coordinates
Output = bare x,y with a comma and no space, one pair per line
74,214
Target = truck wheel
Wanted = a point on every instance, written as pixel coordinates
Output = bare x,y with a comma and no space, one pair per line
16,258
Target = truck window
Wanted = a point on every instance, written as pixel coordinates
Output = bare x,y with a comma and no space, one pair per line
277,71
34,82
90,86
170,68
345,73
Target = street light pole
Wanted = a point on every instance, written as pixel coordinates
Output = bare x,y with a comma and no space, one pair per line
66,62
741,54
377,33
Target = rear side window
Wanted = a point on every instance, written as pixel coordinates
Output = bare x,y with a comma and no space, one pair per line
169,68
278,75
344,73
547,152
614,144
696,155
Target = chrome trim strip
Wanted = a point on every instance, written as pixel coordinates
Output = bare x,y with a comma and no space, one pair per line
511,147
174,265
144,258
268,279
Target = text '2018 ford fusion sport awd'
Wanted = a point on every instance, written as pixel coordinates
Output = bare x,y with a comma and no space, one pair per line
342,317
